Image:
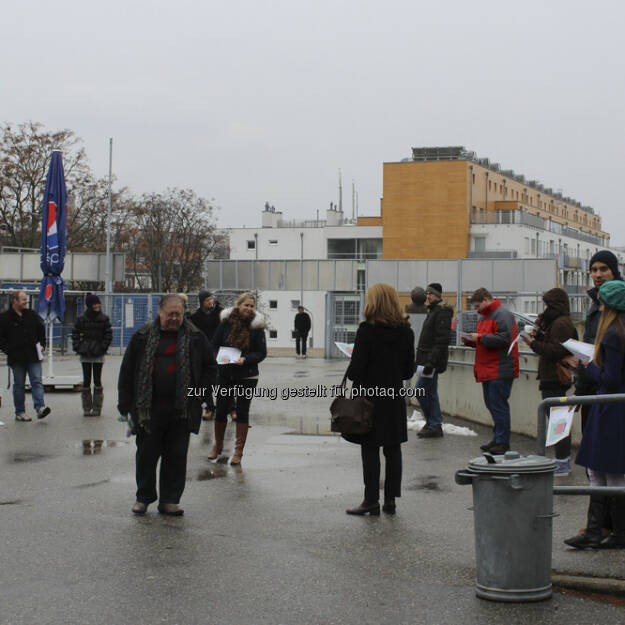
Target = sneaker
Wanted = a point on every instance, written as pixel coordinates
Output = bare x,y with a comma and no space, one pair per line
22,417
563,468
430,432
43,412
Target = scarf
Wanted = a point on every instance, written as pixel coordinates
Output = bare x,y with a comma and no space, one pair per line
239,336
146,372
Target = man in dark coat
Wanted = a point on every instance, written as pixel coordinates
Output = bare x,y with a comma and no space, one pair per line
603,267
302,328
166,368
206,318
432,355
21,333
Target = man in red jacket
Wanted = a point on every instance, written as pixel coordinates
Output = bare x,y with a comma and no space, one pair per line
494,367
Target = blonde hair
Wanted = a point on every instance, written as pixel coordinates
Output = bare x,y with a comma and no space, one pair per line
608,317
243,297
382,306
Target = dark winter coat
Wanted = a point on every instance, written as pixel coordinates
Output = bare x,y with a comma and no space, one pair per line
203,369
603,443
256,353
207,322
19,336
433,348
585,384
382,358
496,330
555,327
92,334
302,323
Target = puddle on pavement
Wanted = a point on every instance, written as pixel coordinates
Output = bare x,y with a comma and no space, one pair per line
26,456
213,472
91,447
301,374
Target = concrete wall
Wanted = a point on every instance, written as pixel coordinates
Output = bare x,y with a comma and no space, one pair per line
461,396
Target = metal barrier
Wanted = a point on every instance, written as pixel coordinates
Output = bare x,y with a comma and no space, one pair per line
541,438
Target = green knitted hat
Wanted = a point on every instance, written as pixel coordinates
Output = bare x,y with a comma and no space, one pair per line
612,294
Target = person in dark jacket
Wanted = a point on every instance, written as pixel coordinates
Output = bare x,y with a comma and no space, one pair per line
206,318
603,267
167,366
242,328
602,450
21,331
382,358
494,367
302,328
91,336
432,355
554,327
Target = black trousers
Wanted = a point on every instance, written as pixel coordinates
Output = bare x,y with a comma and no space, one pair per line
301,338
87,367
563,447
235,395
371,471
169,441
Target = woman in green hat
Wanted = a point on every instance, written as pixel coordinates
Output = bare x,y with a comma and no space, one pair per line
602,450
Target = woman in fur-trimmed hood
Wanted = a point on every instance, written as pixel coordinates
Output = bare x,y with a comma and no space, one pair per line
242,328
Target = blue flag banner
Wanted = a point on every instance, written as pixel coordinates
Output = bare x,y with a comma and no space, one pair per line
51,302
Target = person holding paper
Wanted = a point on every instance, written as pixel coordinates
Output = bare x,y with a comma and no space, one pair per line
167,364
23,339
554,327
602,450
495,365
243,328
432,355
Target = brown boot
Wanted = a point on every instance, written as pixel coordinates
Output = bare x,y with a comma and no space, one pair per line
220,431
98,400
87,402
242,429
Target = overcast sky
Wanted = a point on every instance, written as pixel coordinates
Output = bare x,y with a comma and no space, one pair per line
248,101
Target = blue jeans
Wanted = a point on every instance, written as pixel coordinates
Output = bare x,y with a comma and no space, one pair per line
429,403
19,379
496,395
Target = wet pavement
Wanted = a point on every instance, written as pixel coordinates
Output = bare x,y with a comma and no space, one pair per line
267,542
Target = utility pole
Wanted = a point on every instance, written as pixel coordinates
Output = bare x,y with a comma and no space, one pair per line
107,273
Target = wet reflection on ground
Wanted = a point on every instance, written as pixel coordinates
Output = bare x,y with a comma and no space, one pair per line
91,447
28,456
91,484
425,482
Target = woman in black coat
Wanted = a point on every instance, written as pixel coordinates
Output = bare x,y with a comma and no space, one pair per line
243,328
91,337
382,358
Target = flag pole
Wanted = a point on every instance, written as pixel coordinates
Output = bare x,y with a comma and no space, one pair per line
107,282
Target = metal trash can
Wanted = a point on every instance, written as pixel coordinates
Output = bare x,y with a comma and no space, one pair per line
513,512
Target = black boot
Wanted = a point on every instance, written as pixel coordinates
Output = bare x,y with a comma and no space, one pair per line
616,540
591,537
366,508
87,402
98,400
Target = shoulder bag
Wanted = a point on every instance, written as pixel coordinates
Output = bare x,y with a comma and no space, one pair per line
351,415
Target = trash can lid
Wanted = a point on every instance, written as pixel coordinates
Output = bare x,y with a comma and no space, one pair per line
511,462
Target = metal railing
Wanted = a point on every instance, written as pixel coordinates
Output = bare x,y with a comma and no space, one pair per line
541,438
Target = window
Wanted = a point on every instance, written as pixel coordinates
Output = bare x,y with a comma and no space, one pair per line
294,304
527,247
273,241
479,244
273,303
273,334
251,244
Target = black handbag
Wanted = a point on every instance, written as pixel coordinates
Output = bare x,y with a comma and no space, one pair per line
351,415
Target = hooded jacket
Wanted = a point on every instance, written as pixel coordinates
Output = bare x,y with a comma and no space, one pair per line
555,327
256,353
496,330
433,348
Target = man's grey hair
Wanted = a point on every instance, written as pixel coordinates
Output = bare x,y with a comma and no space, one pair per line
170,297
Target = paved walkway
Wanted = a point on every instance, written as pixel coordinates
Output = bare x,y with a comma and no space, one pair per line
265,543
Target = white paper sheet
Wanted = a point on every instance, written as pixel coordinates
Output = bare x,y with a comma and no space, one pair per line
346,348
584,351
39,350
520,335
560,422
424,375
228,355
